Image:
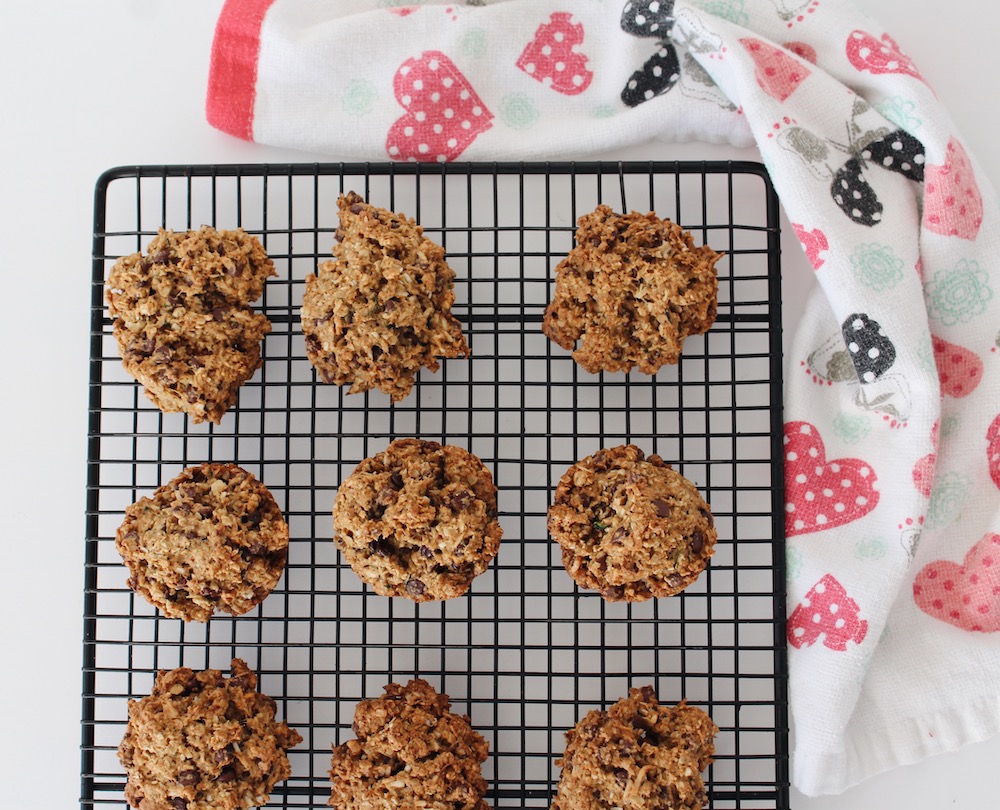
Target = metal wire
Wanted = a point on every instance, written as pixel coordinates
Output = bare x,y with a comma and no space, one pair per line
525,653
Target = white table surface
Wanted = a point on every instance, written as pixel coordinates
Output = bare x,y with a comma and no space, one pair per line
86,86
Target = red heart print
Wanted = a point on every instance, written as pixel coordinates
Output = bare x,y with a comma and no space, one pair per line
827,611
778,74
953,204
878,56
813,242
820,494
923,470
968,595
993,450
443,113
959,369
552,59
802,50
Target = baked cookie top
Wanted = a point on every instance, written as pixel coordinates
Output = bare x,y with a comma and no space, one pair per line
418,520
637,755
410,751
630,526
381,309
630,291
201,741
211,539
182,318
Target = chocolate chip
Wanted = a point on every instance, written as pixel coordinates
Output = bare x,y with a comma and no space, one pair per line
228,774
387,496
188,777
697,542
396,480
382,547
377,351
162,256
708,516
220,314
621,776
595,241
313,344
415,587
178,803
390,305
357,208
674,580
223,755
663,509
460,501
339,234
220,249
426,552
613,592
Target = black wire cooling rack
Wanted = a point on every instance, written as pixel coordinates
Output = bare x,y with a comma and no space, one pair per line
525,653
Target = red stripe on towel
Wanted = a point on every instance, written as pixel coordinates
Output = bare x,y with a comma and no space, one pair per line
232,76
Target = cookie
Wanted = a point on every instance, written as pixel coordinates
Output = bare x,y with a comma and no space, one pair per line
410,751
630,291
630,526
381,309
212,539
182,318
201,741
418,520
637,755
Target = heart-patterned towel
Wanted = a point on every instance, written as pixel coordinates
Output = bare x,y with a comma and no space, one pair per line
892,447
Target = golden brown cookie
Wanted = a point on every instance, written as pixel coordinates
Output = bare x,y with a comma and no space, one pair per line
381,310
637,755
418,520
630,526
211,539
183,322
630,291
410,752
201,741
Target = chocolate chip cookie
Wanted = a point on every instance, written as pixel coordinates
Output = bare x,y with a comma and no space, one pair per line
211,539
381,309
201,741
630,526
630,291
637,755
182,318
418,520
410,751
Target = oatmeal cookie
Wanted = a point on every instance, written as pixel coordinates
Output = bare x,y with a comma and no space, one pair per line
182,318
630,291
211,539
410,751
381,309
637,755
201,741
418,520
630,526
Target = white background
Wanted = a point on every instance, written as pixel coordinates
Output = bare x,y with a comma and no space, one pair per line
86,86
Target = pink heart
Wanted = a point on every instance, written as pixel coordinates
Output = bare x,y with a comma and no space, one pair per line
968,595
813,242
993,450
923,470
878,56
550,57
443,113
959,369
778,74
826,611
819,494
953,204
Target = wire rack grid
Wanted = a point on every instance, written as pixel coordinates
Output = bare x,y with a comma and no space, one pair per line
525,653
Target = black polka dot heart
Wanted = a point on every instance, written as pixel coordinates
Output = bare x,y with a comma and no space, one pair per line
871,350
